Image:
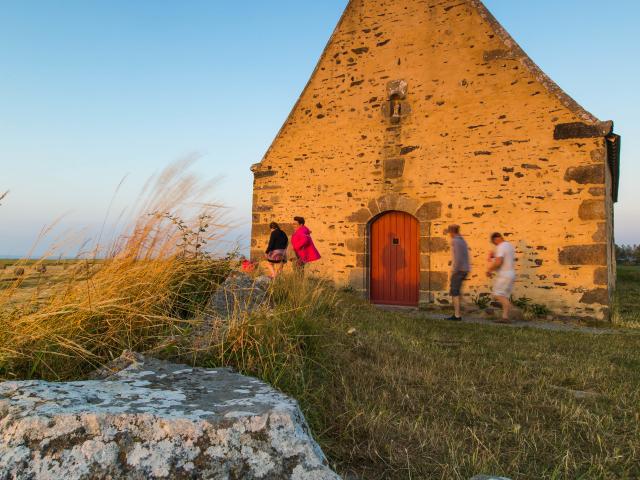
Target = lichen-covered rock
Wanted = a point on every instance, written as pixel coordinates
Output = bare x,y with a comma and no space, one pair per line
155,420
240,293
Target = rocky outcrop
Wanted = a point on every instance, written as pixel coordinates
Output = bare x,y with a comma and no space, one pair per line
155,420
238,294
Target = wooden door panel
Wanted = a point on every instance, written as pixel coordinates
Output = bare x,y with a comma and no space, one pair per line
395,271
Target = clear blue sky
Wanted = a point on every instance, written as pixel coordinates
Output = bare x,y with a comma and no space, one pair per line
93,90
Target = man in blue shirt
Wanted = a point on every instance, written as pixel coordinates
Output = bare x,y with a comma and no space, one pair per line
460,268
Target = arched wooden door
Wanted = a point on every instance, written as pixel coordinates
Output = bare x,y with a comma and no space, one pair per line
395,260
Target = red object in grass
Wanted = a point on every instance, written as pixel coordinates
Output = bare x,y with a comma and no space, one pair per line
248,266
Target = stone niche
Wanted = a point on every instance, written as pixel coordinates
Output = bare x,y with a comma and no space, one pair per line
396,107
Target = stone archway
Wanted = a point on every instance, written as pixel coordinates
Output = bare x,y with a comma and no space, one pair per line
429,242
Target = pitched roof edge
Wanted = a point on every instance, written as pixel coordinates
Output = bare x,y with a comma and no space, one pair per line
519,54
256,166
513,46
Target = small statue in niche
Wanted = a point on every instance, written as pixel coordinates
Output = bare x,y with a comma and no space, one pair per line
396,108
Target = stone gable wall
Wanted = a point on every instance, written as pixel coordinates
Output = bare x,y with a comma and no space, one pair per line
481,137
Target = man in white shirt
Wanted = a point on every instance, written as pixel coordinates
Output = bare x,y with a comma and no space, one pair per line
502,263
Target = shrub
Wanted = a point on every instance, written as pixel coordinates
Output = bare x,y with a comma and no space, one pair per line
482,301
530,309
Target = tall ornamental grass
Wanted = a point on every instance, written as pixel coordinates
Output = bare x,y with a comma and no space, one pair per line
148,284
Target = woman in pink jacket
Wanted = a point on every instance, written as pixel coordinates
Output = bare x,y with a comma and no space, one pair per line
302,243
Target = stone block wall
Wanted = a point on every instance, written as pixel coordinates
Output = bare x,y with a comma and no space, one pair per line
429,107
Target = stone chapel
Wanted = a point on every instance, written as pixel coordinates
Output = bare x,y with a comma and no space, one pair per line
424,113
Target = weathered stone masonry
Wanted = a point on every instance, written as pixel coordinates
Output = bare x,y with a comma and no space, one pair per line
429,107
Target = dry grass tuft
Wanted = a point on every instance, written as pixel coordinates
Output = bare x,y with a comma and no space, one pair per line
154,279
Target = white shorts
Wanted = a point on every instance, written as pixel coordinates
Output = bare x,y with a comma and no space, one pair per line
503,285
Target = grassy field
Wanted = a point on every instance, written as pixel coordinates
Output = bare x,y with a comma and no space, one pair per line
627,306
36,278
388,394
395,395
429,399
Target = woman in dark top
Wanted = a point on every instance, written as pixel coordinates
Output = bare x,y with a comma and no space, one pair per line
277,249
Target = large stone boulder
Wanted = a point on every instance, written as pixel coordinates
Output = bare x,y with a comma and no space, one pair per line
240,293
155,419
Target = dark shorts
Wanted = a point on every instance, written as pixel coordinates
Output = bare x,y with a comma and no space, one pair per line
456,282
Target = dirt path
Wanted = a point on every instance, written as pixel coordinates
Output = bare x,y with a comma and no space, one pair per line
555,326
